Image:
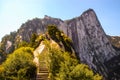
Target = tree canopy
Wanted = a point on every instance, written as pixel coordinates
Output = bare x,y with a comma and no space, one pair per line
19,65
64,66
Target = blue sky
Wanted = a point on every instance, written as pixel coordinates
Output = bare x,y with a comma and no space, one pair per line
15,12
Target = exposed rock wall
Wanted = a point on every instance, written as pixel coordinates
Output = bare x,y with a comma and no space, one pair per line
89,39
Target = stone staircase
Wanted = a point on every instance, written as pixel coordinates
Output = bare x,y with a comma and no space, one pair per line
43,72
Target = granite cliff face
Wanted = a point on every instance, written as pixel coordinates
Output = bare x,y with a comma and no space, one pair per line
89,39
91,42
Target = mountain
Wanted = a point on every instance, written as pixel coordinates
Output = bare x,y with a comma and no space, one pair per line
115,41
91,44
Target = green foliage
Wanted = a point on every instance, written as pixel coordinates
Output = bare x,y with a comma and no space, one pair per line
2,56
53,32
66,66
6,38
59,36
33,40
67,42
2,72
19,65
40,38
115,41
82,72
62,66
3,51
54,61
23,44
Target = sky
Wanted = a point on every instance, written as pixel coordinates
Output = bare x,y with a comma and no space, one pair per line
13,13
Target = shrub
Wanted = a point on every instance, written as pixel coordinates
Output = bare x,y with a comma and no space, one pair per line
53,32
63,66
20,64
82,72
59,36
1,72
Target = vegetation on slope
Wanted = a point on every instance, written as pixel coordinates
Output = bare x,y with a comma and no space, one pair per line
59,36
60,58
19,65
63,66
3,53
61,63
115,41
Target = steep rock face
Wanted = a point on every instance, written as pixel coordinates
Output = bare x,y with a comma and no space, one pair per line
36,25
113,66
90,41
7,44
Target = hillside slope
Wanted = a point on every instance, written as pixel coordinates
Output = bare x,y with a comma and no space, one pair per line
89,39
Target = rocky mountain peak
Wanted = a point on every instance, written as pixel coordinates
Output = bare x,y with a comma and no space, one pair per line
47,17
88,31
89,39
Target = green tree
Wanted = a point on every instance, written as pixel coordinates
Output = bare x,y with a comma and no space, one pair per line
33,40
59,36
23,44
19,65
53,32
82,72
1,72
61,63
55,60
71,69
64,66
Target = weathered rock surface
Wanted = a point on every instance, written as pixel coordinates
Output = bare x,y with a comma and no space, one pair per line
89,39
115,41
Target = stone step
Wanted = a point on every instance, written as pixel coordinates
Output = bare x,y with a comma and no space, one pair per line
43,72
42,76
43,68
41,79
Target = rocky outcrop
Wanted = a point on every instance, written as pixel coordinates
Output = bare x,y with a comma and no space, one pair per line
113,66
7,43
89,39
36,25
115,41
37,52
